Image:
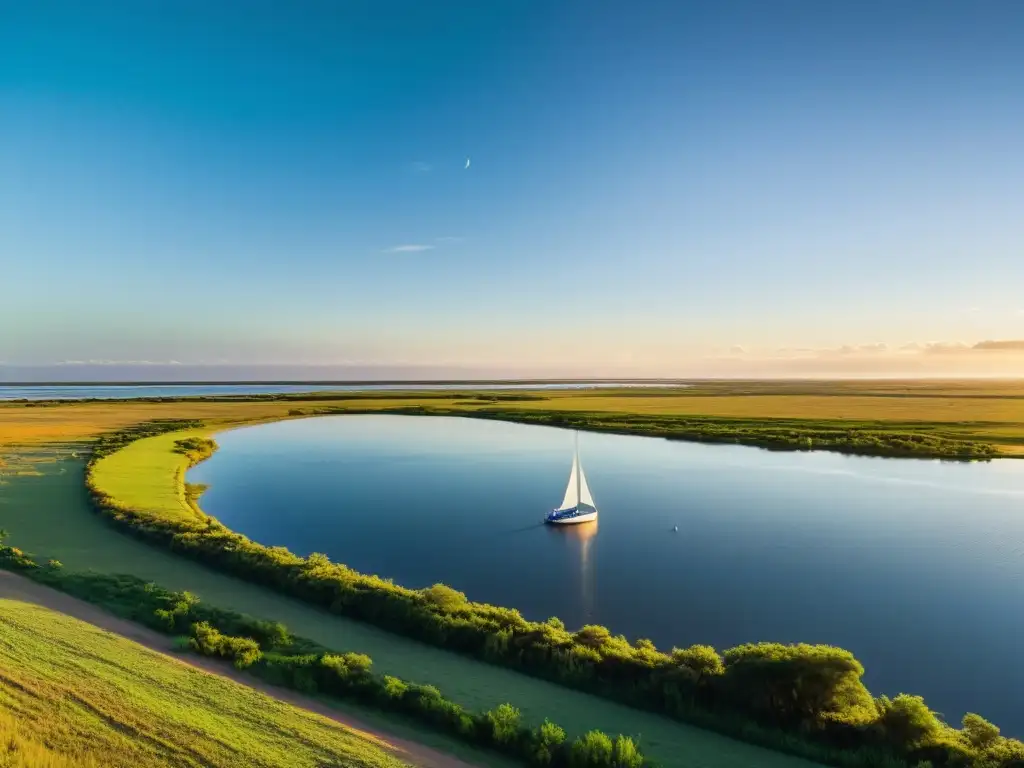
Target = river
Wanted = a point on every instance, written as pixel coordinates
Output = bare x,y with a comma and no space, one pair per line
915,566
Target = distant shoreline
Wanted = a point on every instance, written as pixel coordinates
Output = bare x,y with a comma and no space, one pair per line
582,380
342,382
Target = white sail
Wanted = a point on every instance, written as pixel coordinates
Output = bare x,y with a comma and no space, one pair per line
585,497
571,491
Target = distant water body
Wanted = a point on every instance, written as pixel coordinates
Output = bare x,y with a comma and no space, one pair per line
128,391
915,566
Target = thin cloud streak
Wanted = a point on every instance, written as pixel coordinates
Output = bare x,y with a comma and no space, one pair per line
119,362
410,248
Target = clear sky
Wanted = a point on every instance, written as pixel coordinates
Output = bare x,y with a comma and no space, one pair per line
656,188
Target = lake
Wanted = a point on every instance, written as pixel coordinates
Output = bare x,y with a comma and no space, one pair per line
125,391
915,566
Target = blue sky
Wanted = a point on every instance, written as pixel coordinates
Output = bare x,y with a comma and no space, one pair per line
657,188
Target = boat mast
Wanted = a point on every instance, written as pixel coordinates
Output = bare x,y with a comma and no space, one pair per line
579,469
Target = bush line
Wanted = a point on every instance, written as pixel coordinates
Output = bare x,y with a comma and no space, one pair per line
771,434
269,651
807,700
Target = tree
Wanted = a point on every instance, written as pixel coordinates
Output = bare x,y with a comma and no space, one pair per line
547,741
979,731
504,720
702,660
592,750
626,755
907,721
593,636
444,598
798,685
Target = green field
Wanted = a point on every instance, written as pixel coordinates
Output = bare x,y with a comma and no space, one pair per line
49,515
148,475
74,695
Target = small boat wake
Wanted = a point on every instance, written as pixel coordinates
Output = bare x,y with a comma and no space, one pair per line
524,529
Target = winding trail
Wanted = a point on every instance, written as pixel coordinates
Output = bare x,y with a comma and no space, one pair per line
17,587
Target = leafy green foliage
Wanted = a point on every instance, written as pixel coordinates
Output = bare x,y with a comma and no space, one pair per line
195,448
797,685
979,731
504,723
592,750
242,651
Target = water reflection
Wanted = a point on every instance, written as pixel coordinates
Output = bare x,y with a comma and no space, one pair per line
579,540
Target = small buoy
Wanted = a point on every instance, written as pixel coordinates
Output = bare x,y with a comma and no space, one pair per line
675,528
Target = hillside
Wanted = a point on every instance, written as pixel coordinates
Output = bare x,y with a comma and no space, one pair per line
73,695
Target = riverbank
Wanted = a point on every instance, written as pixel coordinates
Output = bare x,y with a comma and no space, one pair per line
696,685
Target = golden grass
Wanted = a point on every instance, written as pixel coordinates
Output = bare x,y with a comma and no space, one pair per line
831,407
73,695
977,409
23,748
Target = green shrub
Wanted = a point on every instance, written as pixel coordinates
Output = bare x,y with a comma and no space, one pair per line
242,651
979,732
592,750
504,722
548,743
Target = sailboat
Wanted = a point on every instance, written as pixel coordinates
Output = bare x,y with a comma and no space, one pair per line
578,504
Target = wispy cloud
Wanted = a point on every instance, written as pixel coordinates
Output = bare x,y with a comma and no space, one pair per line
1013,345
455,240
409,248
945,347
119,362
422,167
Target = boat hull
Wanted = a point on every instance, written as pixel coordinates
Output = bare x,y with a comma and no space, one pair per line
555,518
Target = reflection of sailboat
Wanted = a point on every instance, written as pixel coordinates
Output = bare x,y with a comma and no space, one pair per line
577,505
584,534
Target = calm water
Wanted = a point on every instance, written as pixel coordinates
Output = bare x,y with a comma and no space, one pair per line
124,391
915,566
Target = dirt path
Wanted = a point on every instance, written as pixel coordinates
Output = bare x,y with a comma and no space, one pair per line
16,587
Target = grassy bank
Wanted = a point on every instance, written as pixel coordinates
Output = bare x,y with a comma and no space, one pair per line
49,515
73,695
271,652
808,700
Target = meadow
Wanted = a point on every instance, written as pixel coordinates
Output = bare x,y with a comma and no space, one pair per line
981,413
73,695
